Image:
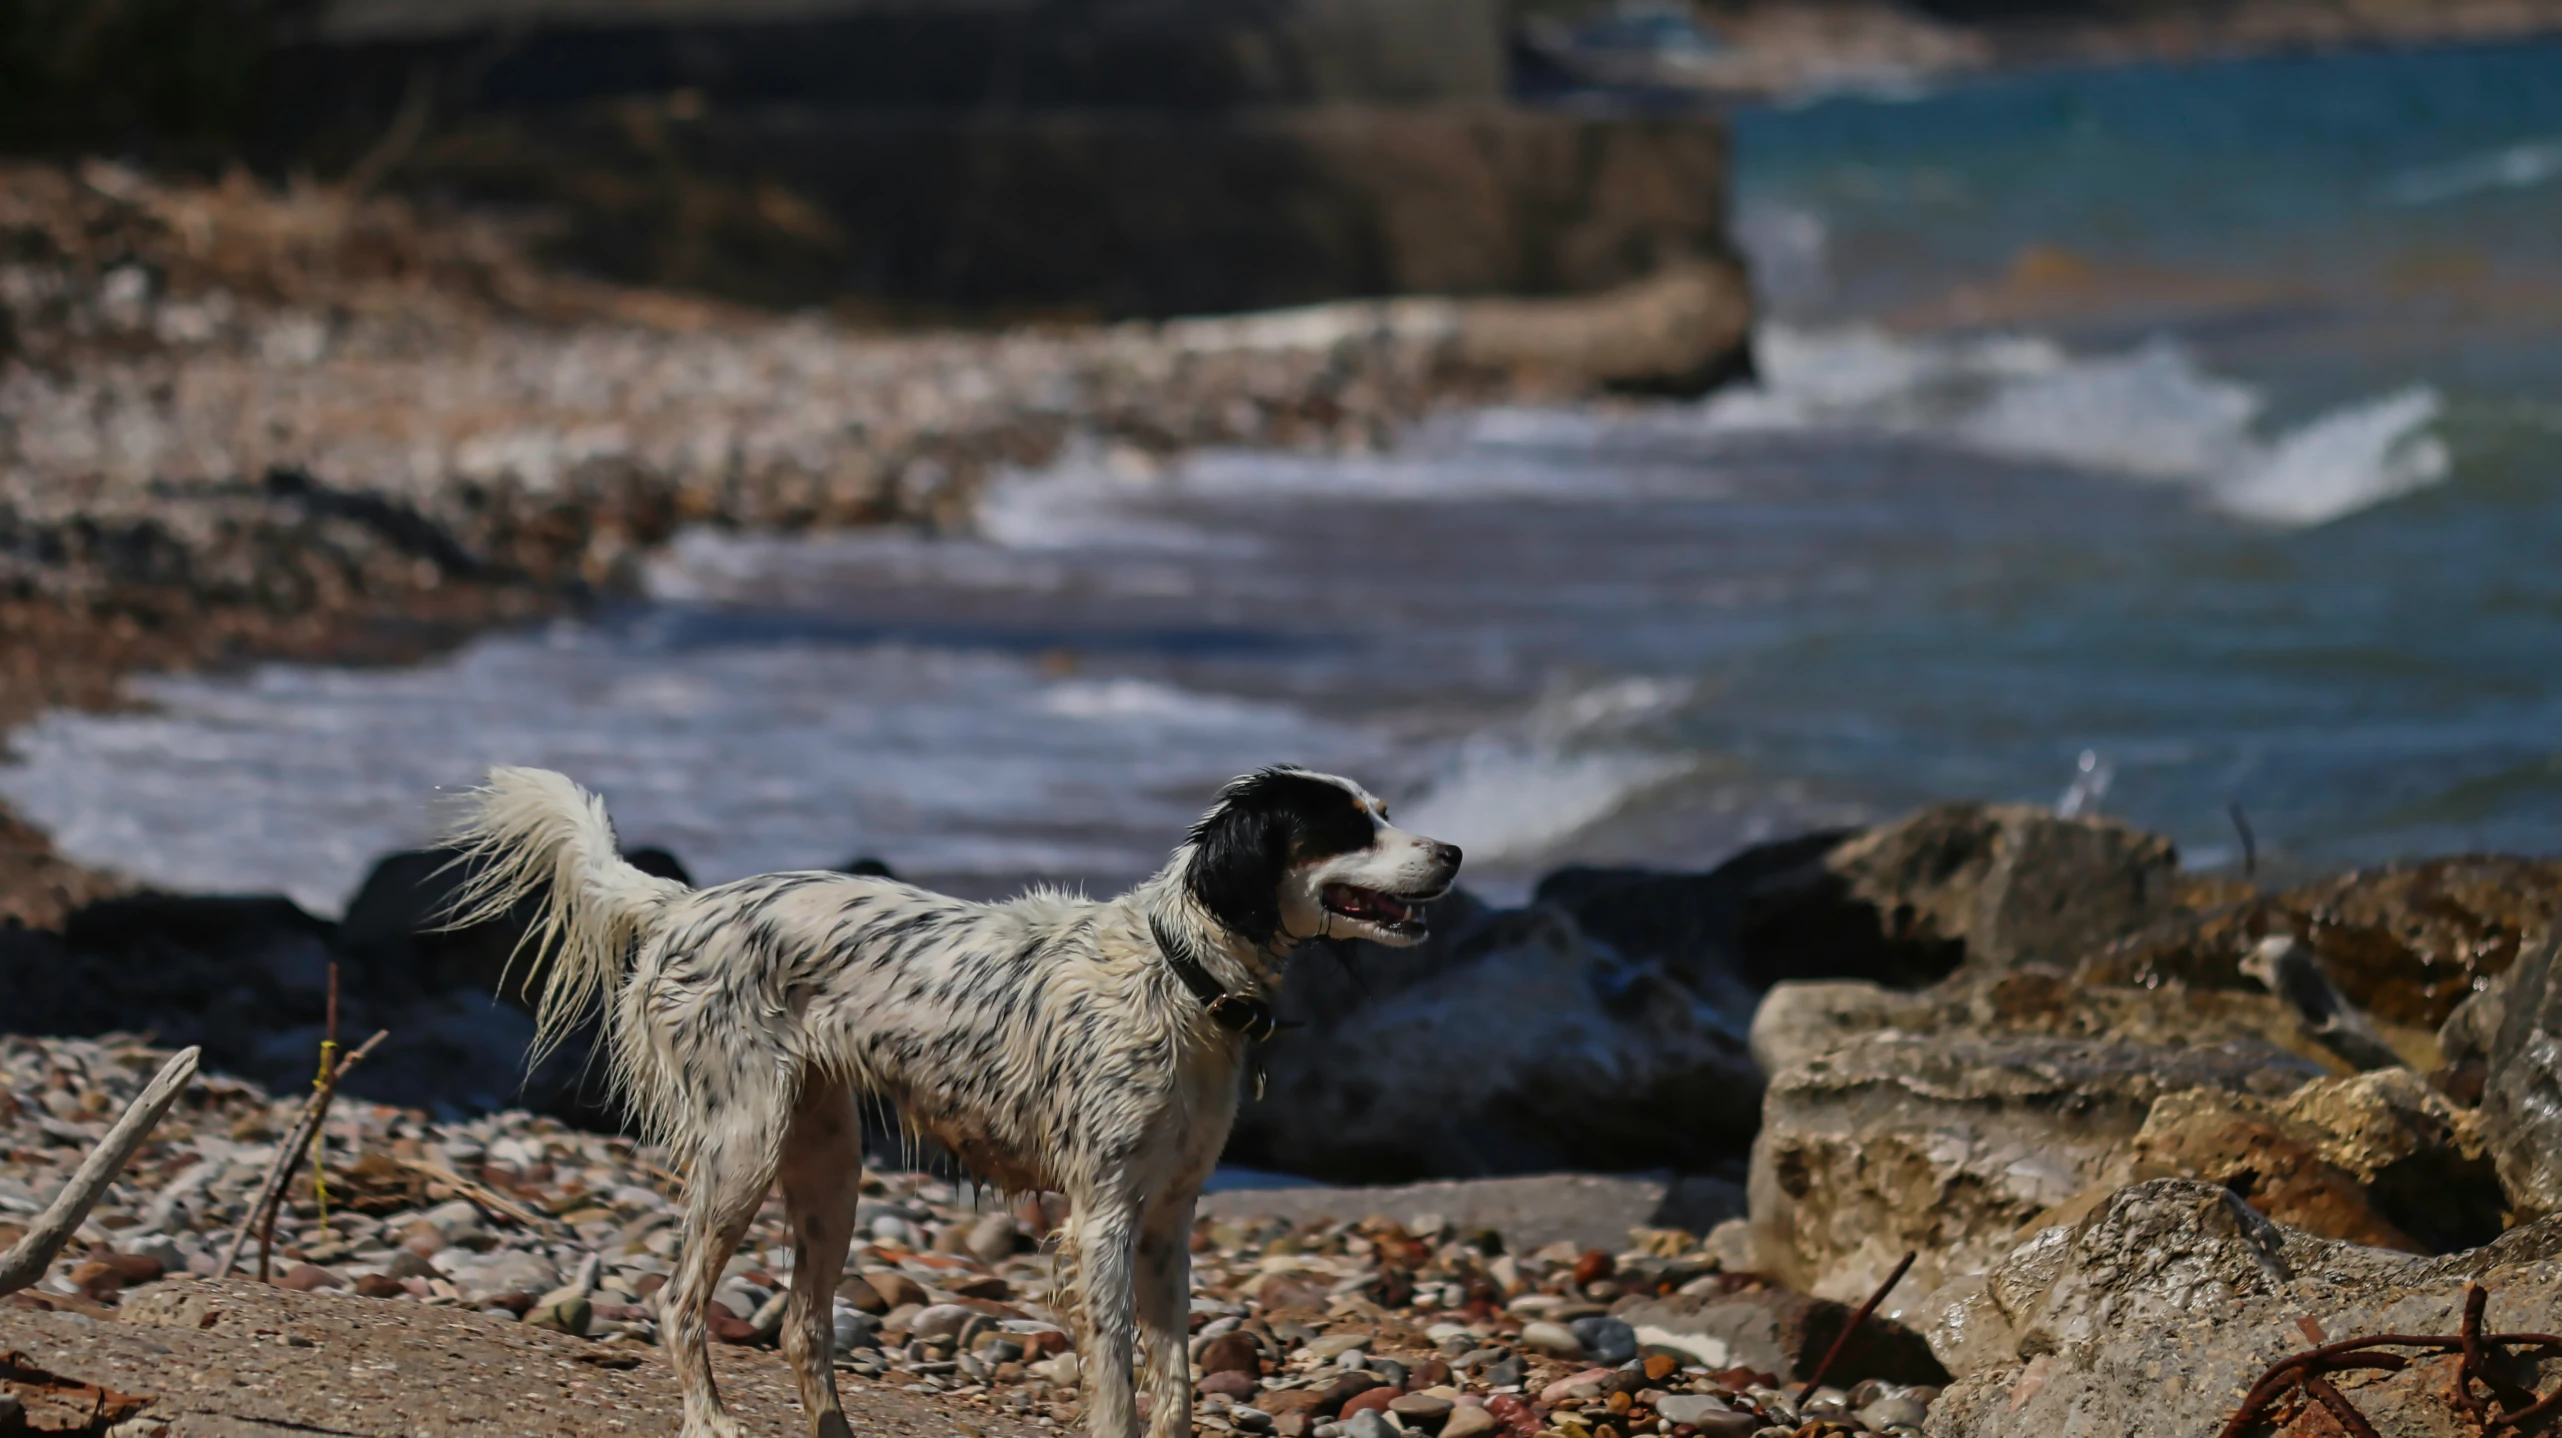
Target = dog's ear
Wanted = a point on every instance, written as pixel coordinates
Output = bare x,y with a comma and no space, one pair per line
1240,853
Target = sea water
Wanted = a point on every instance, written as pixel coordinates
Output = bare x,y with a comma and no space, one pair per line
2152,441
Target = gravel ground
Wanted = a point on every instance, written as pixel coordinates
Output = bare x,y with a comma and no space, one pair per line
537,1251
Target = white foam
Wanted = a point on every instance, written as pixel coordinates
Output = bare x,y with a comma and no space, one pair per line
2521,166
2149,413
1571,762
2345,461
742,759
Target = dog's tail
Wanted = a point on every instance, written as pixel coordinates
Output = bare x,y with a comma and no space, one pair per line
532,833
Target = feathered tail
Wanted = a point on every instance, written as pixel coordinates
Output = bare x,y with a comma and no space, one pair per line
532,832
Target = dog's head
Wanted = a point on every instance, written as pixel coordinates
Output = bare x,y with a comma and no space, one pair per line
1287,854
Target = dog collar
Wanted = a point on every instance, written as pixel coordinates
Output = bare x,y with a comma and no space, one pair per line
1238,1013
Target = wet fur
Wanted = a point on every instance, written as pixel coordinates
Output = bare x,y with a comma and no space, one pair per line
1043,1040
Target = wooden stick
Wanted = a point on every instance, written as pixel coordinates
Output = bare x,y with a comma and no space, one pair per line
33,1254
479,1193
1842,1340
261,1218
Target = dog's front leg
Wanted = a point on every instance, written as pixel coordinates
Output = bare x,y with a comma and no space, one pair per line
1165,1317
1107,1243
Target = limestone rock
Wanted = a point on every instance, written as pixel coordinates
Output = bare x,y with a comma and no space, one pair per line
1947,1144
2406,943
2156,1312
2002,884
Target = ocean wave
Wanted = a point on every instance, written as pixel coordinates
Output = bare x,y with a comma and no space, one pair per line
2150,413
1506,802
2521,166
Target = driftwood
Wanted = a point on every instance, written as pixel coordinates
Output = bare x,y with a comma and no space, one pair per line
479,1193
261,1218
33,1254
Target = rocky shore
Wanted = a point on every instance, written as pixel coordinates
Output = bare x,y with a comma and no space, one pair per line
2114,1140
237,423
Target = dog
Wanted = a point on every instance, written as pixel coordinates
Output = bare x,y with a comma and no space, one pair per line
1050,1042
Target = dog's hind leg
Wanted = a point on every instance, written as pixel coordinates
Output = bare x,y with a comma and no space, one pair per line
1165,1317
731,1173
822,1176
1107,1240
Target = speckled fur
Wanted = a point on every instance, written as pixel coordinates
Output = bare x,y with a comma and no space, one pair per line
1044,1040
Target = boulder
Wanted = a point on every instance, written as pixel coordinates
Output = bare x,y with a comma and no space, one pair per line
1514,1045
1904,904
2405,943
2512,1035
1947,1143
2380,1159
1997,885
2156,1312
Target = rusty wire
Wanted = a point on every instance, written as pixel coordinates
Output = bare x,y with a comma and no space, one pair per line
2510,1408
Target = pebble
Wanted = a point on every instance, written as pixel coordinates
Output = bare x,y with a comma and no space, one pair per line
1554,1339
1893,1412
1606,1340
1368,1423
904,1315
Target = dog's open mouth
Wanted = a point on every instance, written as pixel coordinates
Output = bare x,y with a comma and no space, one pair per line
1380,911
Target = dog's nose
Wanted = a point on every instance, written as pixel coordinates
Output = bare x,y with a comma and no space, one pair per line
1448,854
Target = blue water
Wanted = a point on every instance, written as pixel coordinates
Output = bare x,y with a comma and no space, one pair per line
2198,429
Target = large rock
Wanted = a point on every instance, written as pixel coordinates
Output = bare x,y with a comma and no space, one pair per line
1906,904
1515,1045
2511,1039
1944,1120
2156,1312
1948,1143
2406,943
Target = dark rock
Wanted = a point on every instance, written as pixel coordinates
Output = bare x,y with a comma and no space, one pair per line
2156,1312
1787,1333
1606,1340
1510,1044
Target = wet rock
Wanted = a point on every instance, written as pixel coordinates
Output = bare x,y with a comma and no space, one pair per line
1947,1143
2406,943
2521,1063
1775,1330
2155,1312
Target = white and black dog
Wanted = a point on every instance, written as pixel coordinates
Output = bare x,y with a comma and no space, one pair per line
1050,1042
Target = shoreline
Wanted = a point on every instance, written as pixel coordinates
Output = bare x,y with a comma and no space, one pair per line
1789,53
246,426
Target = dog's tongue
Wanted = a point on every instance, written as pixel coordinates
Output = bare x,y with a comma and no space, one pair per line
1370,904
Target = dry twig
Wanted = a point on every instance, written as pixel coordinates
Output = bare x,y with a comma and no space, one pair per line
34,1253
261,1218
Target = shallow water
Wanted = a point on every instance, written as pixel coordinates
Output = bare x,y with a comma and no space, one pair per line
2192,437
